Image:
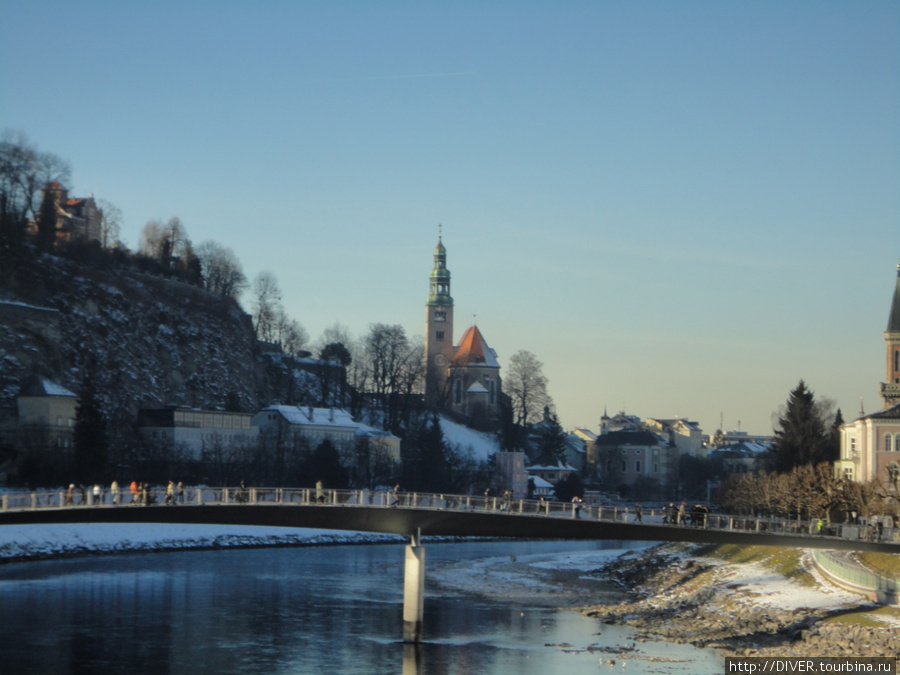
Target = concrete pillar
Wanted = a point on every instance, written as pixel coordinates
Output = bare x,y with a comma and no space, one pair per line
414,591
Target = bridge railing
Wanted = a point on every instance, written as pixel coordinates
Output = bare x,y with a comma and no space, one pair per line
87,497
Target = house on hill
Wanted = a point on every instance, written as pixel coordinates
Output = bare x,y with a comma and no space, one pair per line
77,218
46,413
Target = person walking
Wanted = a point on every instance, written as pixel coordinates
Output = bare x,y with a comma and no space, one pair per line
576,501
97,493
70,495
134,491
320,492
638,514
114,491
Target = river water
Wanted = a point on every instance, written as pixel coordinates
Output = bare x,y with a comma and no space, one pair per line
333,609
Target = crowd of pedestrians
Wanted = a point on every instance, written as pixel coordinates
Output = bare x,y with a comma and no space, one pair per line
140,492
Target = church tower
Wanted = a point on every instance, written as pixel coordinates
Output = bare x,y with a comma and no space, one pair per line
438,329
890,389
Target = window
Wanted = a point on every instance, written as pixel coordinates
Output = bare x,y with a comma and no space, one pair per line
655,467
624,466
896,360
637,466
439,335
848,473
853,446
887,443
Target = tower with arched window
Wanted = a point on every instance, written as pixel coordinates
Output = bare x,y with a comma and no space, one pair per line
462,378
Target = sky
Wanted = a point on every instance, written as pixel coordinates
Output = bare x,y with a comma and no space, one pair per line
681,208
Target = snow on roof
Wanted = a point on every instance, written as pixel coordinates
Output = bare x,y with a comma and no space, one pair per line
53,389
323,417
559,466
585,434
477,388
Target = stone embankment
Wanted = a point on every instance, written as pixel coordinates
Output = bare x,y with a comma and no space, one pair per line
702,602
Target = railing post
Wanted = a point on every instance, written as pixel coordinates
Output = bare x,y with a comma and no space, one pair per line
34,500
199,496
5,502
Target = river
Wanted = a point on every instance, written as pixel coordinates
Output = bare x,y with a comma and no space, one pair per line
330,609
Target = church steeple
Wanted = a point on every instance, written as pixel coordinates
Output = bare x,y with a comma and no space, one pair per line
439,291
438,328
890,389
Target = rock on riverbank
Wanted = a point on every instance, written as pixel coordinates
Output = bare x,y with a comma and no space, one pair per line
742,609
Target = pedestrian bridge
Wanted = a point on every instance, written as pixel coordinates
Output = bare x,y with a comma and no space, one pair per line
416,514
432,515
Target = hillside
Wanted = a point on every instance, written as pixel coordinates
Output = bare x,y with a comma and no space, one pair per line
151,341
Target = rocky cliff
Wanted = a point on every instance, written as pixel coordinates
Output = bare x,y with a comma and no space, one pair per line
151,341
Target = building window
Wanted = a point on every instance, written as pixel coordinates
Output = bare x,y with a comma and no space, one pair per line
439,335
655,467
638,451
896,360
637,466
887,443
457,392
624,466
848,473
853,446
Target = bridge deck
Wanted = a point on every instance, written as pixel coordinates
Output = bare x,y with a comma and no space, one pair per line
436,515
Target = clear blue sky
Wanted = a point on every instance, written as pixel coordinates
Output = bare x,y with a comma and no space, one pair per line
681,208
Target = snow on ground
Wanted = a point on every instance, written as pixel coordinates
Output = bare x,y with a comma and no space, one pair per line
39,541
755,584
482,445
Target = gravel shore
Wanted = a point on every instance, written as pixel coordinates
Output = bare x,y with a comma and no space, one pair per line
742,609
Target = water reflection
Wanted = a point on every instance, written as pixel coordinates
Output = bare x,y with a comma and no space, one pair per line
334,609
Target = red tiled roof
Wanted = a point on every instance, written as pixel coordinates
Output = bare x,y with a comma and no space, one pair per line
472,349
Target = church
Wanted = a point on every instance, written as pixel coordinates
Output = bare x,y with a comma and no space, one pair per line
464,378
870,445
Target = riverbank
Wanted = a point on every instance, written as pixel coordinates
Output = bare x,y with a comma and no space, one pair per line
743,602
21,543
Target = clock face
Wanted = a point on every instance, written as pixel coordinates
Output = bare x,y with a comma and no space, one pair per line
440,315
440,360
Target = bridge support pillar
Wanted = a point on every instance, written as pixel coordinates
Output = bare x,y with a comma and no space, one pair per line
414,590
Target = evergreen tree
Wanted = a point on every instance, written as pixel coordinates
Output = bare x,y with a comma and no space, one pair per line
803,435
91,445
46,222
433,458
551,441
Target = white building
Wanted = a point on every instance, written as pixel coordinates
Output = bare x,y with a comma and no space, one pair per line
196,430
870,445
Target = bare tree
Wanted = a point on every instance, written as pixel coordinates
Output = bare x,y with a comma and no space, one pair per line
25,172
221,269
526,385
266,304
110,223
290,333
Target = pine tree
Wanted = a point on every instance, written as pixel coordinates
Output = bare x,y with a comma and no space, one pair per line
91,444
803,435
551,441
